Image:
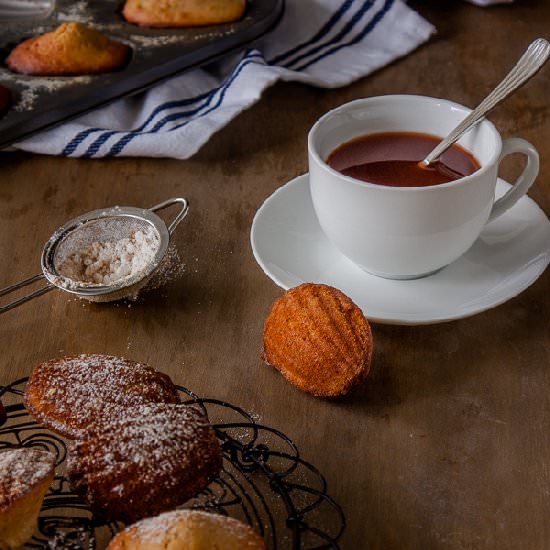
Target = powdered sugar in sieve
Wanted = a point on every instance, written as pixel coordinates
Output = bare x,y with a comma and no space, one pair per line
108,251
104,255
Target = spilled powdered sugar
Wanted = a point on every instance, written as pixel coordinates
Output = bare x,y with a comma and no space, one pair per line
33,86
77,11
21,470
26,100
159,40
170,268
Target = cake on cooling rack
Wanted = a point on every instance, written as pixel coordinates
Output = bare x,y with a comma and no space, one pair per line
25,476
185,529
72,393
146,460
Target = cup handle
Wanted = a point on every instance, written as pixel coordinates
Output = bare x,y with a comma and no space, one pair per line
527,178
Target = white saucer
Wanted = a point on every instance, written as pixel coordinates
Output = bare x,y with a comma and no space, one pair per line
511,253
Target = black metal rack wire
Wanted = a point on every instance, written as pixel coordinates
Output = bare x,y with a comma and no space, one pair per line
264,482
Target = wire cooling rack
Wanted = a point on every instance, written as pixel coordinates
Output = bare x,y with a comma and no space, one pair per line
264,482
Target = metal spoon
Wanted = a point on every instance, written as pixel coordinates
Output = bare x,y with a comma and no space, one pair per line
527,66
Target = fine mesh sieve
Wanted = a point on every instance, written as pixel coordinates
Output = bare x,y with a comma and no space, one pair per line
99,228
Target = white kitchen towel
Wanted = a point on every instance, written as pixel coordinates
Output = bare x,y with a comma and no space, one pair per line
326,43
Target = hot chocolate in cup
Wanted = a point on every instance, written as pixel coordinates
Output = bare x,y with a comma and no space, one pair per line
409,232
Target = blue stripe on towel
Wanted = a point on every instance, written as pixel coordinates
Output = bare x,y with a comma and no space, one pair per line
130,135
321,33
71,147
207,97
119,146
369,28
81,136
343,33
78,139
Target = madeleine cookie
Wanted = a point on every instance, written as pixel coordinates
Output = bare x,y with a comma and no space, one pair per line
188,529
71,394
71,49
25,476
147,460
182,13
318,339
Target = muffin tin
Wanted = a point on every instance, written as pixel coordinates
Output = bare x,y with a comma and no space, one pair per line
157,54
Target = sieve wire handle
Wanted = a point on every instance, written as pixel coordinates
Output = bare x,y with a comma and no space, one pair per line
34,294
181,214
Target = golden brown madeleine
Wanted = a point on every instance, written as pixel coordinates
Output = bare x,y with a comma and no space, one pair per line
186,529
148,460
25,476
71,49
182,13
318,339
72,393
5,99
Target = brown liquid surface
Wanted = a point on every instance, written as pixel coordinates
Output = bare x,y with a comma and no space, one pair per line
392,158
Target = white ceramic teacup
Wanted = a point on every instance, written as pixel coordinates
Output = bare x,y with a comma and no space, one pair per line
409,232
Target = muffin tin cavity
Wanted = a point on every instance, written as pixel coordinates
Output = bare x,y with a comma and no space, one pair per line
156,54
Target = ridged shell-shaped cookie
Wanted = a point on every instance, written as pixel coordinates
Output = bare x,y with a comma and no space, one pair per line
71,49
148,460
25,475
318,339
73,393
182,13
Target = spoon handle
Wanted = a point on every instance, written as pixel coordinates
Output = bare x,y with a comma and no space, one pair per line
529,63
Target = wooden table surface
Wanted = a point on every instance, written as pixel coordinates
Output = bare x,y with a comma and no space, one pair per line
447,443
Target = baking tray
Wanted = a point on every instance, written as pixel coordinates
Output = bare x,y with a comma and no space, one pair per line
157,54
